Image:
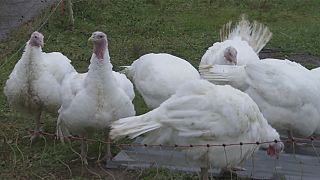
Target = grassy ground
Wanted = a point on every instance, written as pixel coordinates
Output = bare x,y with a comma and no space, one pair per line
185,28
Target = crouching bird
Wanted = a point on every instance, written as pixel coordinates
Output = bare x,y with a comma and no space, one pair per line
200,113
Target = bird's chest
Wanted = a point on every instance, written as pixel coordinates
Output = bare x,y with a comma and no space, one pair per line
103,100
32,77
100,98
29,90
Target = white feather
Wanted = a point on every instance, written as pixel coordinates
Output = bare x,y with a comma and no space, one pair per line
247,38
256,34
316,74
157,76
202,113
285,92
125,84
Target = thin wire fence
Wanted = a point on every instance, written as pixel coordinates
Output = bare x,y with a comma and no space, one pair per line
17,152
294,140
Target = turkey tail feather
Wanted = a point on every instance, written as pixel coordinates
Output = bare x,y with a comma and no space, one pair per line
256,34
133,126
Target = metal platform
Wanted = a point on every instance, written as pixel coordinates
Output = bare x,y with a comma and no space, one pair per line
303,164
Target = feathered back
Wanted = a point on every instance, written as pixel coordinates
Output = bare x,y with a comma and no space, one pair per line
256,34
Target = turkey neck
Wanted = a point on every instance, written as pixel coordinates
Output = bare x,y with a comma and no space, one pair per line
100,76
32,60
31,68
100,49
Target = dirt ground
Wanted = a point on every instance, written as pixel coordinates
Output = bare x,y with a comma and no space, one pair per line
306,59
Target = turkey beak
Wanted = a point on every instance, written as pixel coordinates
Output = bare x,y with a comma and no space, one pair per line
91,38
230,55
274,150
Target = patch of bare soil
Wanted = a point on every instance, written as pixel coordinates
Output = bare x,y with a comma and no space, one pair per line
302,58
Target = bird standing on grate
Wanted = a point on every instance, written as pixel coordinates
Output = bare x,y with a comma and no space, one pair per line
203,113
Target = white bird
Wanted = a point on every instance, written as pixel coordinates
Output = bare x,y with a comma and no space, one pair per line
239,45
201,113
158,76
316,73
93,104
34,84
286,92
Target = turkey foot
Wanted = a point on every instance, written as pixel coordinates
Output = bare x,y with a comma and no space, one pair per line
108,155
238,168
34,135
37,132
231,171
105,158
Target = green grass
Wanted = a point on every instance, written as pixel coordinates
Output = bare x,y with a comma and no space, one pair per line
185,28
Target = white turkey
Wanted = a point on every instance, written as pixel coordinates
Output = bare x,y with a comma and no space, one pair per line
34,84
286,92
158,76
239,45
201,113
93,104
316,73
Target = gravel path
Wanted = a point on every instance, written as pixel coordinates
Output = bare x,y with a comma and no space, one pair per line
13,13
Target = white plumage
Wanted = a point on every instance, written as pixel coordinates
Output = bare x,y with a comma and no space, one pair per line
34,84
74,82
125,84
239,45
316,73
203,113
95,102
285,91
157,76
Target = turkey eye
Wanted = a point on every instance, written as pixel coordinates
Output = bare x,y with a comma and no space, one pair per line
101,36
36,37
